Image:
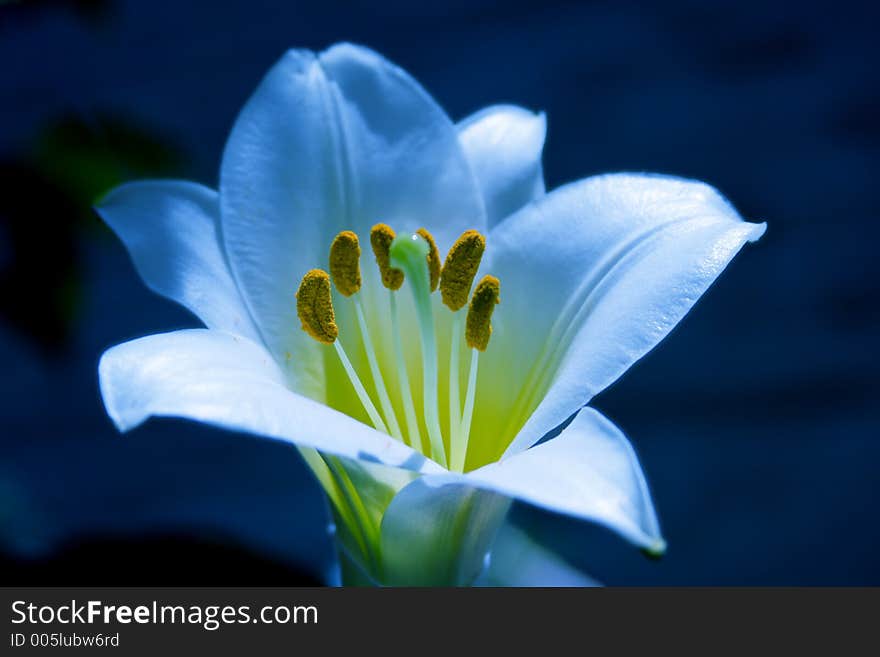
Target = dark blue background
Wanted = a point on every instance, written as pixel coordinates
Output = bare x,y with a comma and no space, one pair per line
756,421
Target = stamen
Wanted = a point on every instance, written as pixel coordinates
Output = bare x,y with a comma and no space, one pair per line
378,381
467,416
477,333
409,253
345,254
462,263
433,258
345,268
369,407
414,436
454,395
314,307
381,237
479,325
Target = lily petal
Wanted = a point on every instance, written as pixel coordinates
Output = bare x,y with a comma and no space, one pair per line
589,471
340,140
435,532
503,144
233,383
596,273
517,560
171,230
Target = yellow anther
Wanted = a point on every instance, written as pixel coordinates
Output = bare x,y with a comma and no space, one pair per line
478,326
460,267
381,237
433,258
345,259
315,308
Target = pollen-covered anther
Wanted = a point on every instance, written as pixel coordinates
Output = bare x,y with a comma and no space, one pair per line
345,258
315,307
381,237
433,258
478,326
462,263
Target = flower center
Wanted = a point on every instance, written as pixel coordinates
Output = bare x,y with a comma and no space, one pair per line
414,259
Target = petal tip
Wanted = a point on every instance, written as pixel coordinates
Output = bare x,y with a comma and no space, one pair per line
346,50
542,117
123,422
758,231
292,64
655,550
105,202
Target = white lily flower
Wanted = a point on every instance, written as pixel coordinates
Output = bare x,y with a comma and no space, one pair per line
421,419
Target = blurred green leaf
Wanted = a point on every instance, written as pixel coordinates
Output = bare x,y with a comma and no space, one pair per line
88,158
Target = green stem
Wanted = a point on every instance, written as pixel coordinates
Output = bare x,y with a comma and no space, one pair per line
361,517
330,482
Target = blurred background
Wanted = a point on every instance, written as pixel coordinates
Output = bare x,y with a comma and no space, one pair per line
756,420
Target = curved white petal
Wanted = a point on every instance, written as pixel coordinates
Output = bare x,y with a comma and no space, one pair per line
589,471
503,144
593,276
517,560
438,533
339,140
233,383
171,230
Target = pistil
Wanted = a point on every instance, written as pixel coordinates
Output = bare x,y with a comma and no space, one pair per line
409,254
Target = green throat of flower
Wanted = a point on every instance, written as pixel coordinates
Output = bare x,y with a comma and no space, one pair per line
412,258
